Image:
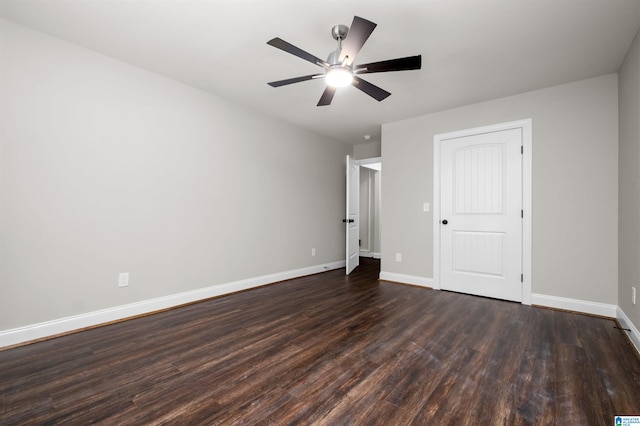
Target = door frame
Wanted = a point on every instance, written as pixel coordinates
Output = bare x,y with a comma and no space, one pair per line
363,163
526,127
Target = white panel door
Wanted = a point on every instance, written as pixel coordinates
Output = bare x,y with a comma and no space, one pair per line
352,215
481,214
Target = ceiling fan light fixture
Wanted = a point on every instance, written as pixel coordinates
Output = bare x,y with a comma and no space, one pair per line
339,69
339,76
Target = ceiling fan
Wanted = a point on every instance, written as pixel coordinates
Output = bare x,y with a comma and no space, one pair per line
339,68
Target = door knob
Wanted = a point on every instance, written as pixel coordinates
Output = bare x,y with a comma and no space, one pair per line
444,222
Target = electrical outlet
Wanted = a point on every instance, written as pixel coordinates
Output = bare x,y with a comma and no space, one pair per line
313,251
398,257
633,295
123,279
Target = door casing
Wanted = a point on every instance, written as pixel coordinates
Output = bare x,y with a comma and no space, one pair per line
526,126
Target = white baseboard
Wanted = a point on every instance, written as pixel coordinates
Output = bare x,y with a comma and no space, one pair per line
64,325
370,254
406,279
625,322
584,306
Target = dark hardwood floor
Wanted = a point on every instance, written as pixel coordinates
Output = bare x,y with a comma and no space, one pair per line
330,350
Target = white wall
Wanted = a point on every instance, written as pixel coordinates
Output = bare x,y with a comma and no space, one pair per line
367,150
575,190
629,207
107,168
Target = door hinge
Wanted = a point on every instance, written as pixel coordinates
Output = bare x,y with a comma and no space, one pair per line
521,149
521,278
522,214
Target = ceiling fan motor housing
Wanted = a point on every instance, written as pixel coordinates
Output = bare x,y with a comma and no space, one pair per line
334,57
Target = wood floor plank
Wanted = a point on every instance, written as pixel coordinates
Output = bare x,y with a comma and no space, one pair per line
329,349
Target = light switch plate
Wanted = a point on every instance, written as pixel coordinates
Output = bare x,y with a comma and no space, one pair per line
123,279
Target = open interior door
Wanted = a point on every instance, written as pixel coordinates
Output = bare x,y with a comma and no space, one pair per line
351,220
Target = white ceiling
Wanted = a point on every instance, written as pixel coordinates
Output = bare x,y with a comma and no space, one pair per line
472,50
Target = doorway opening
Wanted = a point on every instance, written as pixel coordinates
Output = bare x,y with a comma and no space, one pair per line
370,206
364,178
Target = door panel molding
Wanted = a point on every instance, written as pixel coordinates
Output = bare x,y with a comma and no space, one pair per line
526,130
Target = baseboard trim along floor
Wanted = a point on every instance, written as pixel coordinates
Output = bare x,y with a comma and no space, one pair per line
406,279
629,328
61,326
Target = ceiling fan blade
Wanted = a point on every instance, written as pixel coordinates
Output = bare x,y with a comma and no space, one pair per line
294,80
327,96
290,48
358,34
400,64
370,89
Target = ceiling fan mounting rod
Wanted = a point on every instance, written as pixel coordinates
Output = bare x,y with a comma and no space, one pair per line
339,33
